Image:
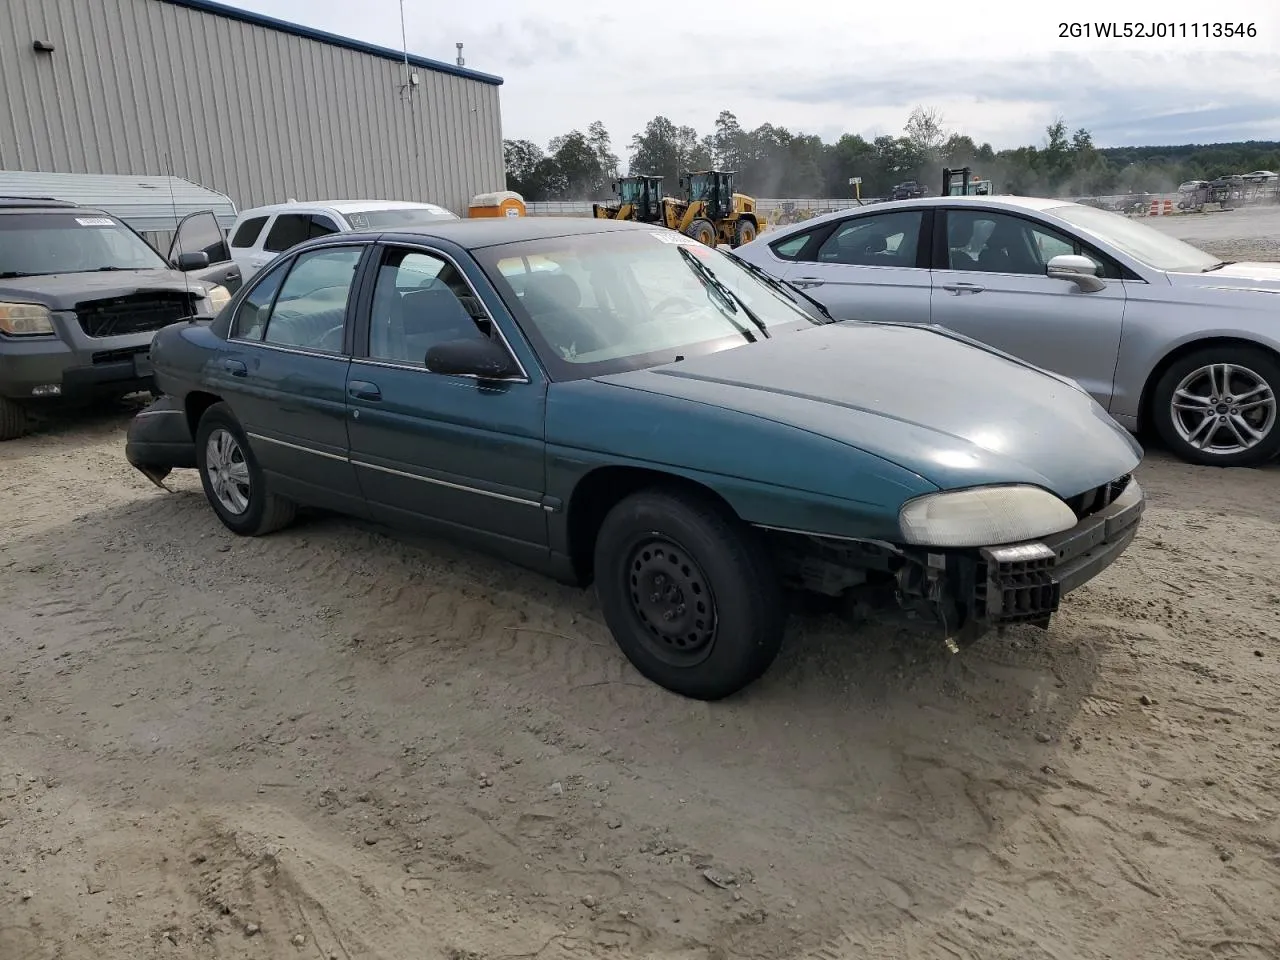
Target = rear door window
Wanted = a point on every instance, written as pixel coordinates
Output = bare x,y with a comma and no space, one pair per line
247,233
289,230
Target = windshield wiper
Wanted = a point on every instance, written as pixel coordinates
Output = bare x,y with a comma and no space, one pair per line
1218,266
783,286
14,274
729,298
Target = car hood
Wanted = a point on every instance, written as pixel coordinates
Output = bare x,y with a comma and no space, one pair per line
1263,277
951,412
62,291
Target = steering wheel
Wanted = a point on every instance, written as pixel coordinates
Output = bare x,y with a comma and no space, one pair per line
671,302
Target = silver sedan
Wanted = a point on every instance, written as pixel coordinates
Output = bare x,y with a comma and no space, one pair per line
1160,332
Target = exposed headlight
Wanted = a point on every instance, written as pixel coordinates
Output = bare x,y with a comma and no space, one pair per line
219,296
983,516
25,319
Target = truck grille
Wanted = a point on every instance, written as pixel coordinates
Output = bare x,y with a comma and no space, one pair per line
138,313
1091,501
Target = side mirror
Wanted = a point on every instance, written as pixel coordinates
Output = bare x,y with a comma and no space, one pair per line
484,359
1081,271
192,261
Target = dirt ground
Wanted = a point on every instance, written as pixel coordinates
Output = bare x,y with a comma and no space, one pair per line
331,743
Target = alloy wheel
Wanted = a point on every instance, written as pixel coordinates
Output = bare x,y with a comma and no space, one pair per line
1223,409
227,470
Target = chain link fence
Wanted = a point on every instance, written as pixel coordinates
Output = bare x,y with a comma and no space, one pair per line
779,210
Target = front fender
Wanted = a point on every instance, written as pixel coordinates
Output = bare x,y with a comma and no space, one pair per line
159,440
771,473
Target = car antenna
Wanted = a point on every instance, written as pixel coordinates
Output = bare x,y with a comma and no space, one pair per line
177,241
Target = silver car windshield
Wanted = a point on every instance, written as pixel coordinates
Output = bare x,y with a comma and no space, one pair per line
391,219
1144,243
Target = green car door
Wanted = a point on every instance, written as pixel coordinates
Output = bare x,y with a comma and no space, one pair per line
439,450
284,374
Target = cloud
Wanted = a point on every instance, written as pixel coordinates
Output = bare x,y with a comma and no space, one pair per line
999,76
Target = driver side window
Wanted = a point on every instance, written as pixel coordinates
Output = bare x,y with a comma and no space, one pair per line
420,300
310,312
880,240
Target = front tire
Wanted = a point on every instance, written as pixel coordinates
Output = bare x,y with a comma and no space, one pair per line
702,230
13,419
688,593
1218,407
233,482
744,232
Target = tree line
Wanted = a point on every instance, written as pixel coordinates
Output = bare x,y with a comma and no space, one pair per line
772,161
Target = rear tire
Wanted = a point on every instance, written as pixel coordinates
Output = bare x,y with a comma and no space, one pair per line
1202,431
689,593
13,419
233,482
744,232
702,230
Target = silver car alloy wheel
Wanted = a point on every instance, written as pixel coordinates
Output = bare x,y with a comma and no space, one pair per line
227,470
1223,409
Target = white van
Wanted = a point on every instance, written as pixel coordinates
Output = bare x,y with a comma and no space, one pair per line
259,234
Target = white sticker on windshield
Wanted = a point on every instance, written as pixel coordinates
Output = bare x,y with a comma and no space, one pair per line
358,221
95,221
670,236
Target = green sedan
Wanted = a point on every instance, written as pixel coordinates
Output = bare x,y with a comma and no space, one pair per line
616,404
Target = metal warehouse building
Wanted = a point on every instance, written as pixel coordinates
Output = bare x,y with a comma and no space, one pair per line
250,106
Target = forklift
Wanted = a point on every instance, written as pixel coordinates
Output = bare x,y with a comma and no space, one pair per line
958,182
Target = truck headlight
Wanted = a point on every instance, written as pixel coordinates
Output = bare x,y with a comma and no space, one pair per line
983,516
25,319
218,296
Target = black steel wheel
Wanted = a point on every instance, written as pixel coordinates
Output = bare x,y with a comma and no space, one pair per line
688,592
672,597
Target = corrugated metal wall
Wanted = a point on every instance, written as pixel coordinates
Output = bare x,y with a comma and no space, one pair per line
147,87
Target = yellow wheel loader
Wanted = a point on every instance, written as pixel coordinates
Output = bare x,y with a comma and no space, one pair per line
639,198
711,212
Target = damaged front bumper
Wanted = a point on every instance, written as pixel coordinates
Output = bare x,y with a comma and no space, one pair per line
972,591
160,440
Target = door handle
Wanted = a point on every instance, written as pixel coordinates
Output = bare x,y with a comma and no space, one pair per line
959,288
235,367
364,390
805,283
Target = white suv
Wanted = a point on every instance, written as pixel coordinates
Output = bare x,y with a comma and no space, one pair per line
261,233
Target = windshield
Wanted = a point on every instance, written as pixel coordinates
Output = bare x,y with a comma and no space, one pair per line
601,303
398,217
39,244
1144,243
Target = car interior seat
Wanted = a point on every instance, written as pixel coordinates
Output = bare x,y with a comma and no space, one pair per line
959,236
554,300
1007,250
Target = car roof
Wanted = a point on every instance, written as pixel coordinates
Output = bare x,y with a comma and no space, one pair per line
41,202
992,202
341,206
47,205
479,232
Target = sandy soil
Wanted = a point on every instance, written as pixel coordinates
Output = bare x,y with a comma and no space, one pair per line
330,743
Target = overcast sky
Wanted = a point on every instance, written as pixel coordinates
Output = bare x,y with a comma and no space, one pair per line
997,71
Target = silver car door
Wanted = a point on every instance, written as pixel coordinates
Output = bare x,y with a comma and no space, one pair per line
868,266
990,284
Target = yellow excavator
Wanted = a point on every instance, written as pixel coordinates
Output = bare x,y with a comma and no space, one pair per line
710,211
